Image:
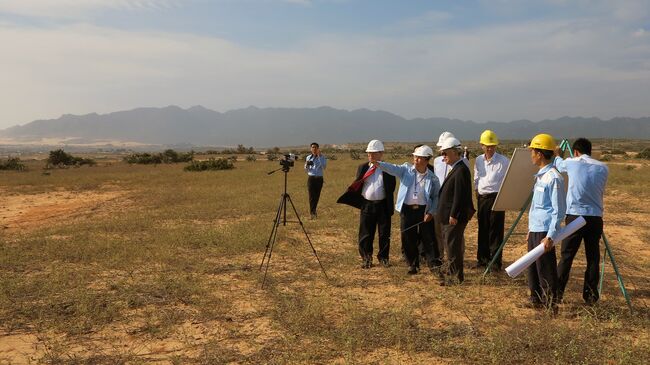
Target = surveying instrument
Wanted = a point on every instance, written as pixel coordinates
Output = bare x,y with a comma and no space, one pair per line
281,218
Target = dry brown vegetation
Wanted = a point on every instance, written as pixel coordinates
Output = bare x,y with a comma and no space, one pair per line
150,264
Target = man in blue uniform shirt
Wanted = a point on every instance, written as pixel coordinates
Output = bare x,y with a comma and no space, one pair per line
417,200
546,212
315,163
587,180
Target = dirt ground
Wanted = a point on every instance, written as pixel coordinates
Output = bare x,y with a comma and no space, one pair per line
248,327
24,212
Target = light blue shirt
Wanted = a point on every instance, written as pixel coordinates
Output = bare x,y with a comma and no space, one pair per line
548,207
587,180
407,175
320,163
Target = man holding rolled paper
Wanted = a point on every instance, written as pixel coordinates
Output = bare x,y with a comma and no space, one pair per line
587,179
547,210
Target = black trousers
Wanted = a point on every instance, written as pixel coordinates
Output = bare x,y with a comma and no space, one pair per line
454,236
314,186
490,230
375,216
542,275
419,239
591,233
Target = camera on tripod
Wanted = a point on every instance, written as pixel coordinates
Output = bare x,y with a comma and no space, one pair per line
288,161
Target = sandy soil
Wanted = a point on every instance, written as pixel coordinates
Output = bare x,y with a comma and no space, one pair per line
248,327
24,212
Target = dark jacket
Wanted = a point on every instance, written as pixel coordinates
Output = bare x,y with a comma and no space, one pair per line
389,185
455,199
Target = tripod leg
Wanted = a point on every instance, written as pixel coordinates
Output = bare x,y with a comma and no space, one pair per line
306,235
618,274
273,231
274,235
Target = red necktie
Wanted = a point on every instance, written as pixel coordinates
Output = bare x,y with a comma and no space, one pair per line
357,184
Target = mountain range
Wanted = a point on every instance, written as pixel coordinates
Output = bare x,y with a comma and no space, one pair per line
265,127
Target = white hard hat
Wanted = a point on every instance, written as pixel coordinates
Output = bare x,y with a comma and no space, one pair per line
449,143
423,151
443,136
375,146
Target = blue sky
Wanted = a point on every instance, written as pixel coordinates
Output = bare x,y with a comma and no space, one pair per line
478,60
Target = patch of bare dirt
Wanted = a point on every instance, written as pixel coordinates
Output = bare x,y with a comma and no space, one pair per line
28,211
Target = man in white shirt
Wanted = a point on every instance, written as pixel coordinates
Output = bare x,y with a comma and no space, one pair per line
489,170
377,207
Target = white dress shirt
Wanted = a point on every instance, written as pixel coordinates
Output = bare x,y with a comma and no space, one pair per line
488,174
373,186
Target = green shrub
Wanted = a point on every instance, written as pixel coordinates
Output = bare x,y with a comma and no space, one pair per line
168,156
355,155
13,163
332,157
211,164
606,158
59,158
251,158
272,156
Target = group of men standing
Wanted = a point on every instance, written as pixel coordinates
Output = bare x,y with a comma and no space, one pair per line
435,206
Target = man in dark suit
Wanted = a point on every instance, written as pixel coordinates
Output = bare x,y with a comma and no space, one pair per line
455,209
376,207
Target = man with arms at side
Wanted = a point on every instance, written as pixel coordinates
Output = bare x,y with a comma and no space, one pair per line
377,207
417,200
454,209
547,210
587,180
315,164
489,170
440,170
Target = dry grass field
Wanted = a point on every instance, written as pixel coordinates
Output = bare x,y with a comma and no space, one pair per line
130,264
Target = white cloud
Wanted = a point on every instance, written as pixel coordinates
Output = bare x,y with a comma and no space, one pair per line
74,9
426,20
528,70
299,2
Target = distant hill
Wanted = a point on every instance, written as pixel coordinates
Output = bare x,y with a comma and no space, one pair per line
263,127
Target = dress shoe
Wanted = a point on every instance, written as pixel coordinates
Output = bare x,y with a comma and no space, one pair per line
384,262
412,270
367,264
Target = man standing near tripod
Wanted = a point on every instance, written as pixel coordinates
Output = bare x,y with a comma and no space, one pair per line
315,163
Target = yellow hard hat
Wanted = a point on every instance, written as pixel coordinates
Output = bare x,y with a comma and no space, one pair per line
543,141
489,138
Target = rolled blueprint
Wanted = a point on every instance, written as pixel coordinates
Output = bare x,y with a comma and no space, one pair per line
526,260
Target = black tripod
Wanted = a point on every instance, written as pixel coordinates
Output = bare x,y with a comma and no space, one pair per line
281,217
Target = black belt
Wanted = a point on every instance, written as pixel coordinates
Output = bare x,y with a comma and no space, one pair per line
414,206
490,195
375,201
